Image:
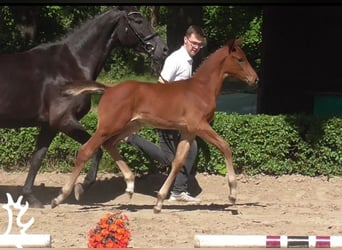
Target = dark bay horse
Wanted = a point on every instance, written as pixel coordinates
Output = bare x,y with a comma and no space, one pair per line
124,108
30,82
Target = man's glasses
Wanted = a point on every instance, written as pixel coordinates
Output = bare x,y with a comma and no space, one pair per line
196,44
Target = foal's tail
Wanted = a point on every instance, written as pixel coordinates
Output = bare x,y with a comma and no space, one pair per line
83,86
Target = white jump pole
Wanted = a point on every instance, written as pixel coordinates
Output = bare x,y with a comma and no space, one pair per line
265,241
25,240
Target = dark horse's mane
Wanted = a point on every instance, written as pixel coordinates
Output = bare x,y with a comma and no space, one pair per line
79,29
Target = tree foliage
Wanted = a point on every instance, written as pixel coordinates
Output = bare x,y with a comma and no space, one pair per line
222,22
23,27
26,26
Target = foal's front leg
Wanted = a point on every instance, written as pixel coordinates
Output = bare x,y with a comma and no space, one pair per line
209,135
177,163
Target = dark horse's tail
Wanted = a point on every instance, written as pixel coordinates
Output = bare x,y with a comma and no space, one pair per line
83,86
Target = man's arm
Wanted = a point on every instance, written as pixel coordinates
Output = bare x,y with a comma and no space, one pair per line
161,80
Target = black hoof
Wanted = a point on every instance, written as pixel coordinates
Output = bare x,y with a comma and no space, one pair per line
33,201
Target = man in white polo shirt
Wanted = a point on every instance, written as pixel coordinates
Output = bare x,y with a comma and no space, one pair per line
177,66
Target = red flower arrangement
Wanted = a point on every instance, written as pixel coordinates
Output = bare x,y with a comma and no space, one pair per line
110,232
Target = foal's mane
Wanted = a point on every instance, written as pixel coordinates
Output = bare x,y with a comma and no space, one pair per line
210,64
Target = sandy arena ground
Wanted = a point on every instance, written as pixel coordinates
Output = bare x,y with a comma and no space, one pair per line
287,205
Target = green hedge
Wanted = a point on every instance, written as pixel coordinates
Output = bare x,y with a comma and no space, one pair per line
277,145
273,145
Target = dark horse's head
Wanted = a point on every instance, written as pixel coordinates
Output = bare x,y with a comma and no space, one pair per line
137,32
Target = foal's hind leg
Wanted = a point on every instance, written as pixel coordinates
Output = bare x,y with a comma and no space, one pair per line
111,146
83,155
75,131
45,137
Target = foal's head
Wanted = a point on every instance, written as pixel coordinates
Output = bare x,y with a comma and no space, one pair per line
135,31
237,65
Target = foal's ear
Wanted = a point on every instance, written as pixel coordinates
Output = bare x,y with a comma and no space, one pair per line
238,42
232,43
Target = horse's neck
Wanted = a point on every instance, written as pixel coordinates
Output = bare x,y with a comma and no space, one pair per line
92,43
209,75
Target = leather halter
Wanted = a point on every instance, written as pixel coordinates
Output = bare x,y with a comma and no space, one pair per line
147,46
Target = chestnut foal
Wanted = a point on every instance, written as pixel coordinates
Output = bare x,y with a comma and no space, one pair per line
186,105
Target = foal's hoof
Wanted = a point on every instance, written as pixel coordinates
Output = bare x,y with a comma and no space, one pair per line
78,191
130,194
235,212
233,208
156,210
232,199
54,203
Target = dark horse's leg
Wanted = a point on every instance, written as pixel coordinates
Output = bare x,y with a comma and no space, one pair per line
45,137
44,140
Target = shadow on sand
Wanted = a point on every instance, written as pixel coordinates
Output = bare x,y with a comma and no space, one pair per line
110,188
